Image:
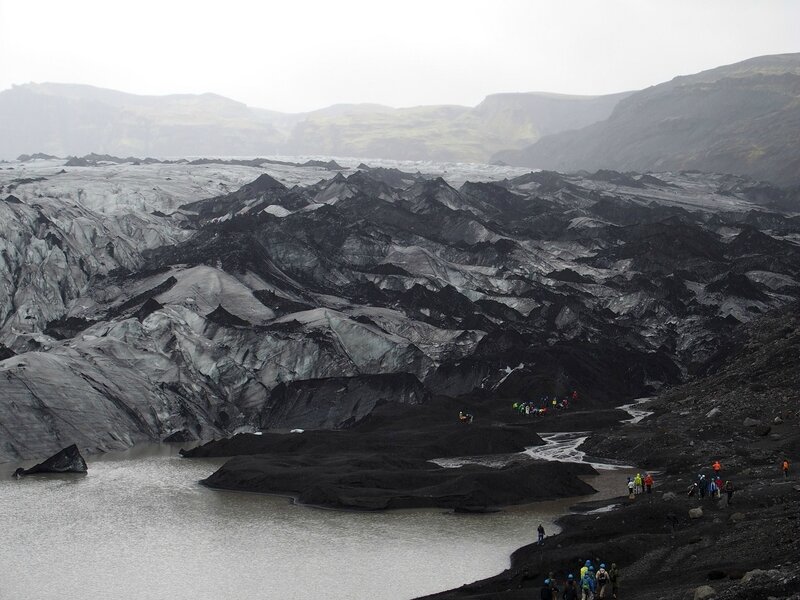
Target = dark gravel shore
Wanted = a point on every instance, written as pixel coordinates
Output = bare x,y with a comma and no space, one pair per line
743,412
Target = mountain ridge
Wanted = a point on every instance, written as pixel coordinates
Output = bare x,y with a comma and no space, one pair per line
742,118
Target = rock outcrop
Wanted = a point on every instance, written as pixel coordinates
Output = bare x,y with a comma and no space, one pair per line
68,460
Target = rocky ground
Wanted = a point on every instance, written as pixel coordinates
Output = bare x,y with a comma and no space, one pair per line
384,462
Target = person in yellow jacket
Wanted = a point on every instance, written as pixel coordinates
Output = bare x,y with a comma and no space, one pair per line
585,568
637,482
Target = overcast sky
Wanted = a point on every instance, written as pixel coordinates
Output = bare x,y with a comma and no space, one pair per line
300,55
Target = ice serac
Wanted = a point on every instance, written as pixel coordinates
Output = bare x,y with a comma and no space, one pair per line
337,402
68,460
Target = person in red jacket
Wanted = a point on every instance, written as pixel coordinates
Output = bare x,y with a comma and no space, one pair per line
648,486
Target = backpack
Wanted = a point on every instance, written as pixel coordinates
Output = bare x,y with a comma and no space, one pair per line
602,577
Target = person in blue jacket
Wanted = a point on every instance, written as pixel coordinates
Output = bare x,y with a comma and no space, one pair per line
588,585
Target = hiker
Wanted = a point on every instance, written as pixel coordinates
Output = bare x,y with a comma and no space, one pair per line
702,486
613,575
728,489
575,395
588,585
553,585
692,489
785,469
630,488
648,483
585,568
717,467
603,583
637,482
718,483
712,489
540,531
571,588
547,591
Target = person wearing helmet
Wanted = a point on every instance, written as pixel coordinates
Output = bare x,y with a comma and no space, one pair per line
603,583
547,591
588,584
585,568
571,591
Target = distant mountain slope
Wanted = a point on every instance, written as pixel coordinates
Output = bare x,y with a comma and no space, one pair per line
75,119
64,119
742,118
452,133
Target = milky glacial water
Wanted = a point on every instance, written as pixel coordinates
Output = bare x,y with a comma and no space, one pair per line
139,526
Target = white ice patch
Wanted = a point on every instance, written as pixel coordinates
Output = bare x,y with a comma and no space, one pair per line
210,287
508,371
277,210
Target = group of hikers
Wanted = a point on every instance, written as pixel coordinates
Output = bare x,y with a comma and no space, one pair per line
589,585
602,584
713,486
638,484
544,405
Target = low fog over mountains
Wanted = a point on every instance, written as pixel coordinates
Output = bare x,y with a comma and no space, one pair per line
66,119
742,119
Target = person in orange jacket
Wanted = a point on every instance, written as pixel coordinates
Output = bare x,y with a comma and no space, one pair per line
786,469
717,467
